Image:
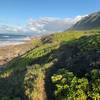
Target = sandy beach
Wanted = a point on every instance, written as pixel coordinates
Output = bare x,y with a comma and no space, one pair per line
9,52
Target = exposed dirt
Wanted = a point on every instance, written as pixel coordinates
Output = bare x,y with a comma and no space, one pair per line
42,92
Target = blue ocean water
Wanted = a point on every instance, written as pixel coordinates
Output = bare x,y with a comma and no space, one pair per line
7,39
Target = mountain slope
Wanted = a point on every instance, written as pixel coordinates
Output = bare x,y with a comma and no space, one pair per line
91,21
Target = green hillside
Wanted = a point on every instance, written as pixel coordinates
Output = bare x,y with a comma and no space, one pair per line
63,66
91,21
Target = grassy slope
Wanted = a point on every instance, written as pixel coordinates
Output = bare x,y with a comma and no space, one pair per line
28,76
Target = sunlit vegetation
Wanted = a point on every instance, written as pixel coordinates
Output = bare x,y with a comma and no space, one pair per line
33,81
62,66
64,36
69,86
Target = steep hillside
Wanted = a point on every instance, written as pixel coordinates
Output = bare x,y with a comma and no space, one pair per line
91,21
63,66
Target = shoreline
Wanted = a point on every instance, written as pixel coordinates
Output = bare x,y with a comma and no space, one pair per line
8,52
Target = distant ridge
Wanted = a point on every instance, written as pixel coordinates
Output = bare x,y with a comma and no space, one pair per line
91,21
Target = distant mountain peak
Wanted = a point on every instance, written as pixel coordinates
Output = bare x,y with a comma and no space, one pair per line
91,21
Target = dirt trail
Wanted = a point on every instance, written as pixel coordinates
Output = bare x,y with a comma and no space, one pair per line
42,95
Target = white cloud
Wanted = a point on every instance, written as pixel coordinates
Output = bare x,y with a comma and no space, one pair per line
42,25
50,24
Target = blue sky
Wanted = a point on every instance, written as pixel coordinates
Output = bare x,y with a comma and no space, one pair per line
20,11
43,16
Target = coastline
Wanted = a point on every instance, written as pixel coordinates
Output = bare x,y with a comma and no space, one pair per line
8,52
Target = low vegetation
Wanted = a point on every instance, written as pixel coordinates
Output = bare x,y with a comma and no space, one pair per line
62,66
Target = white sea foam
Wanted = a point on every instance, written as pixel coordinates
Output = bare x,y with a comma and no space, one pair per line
6,36
15,41
7,43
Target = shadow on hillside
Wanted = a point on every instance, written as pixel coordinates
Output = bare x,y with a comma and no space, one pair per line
12,84
71,58
68,56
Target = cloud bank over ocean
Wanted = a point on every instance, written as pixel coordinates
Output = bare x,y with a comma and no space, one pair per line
42,25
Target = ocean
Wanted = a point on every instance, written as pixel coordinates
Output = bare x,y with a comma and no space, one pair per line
12,39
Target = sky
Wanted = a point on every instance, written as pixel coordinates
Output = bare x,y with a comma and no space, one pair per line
22,12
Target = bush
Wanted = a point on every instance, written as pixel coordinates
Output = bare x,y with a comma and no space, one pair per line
68,86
